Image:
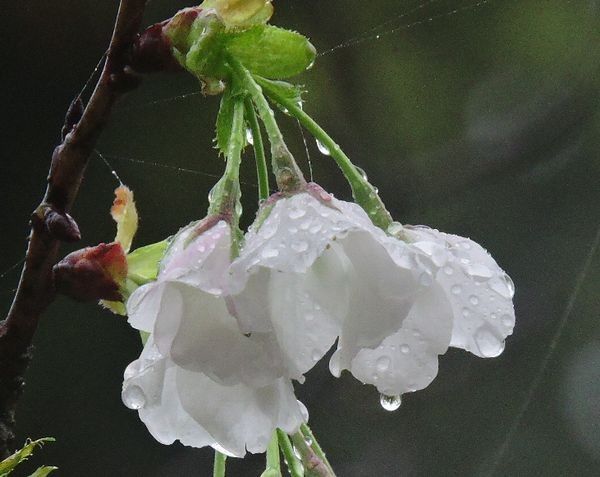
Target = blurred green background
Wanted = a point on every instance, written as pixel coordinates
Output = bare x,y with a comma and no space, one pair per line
483,123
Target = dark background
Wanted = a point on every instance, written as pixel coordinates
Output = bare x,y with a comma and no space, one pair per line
483,123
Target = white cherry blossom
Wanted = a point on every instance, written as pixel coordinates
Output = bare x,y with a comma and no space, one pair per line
199,379
317,270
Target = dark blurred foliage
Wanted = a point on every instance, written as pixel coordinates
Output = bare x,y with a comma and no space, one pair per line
483,123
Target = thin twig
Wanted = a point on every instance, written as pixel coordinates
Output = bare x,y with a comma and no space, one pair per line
50,222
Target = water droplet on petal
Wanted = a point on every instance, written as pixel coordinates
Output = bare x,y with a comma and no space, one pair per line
334,365
503,285
390,403
466,312
507,320
489,345
300,246
425,279
316,355
448,270
405,349
134,397
383,363
478,270
270,253
296,213
474,300
456,289
249,136
322,148
131,370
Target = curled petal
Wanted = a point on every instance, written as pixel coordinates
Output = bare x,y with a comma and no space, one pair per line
407,360
177,404
479,291
199,334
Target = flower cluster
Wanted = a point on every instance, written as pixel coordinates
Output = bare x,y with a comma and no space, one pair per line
228,336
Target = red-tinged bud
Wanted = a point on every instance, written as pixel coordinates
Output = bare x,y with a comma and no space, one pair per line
93,273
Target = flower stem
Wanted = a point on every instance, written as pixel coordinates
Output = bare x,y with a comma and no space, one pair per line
287,173
363,191
314,444
224,198
219,465
293,463
314,466
259,151
273,468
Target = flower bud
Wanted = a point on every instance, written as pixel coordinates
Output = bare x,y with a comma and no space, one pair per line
92,273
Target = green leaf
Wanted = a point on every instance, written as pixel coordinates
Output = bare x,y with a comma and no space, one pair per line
291,92
43,471
270,51
143,263
9,464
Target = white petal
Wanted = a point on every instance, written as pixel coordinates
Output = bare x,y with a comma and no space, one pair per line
143,306
150,387
200,335
240,417
383,294
295,234
407,360
479,290
202,261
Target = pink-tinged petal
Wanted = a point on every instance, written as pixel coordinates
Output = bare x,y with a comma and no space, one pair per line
200,261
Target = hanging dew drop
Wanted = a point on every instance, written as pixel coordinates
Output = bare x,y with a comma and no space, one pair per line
134,397
362,173
390,403
249,136
322,148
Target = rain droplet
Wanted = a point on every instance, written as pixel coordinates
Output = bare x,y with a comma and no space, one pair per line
448,270
316,355
390,403
334,365
132,370
466,312
296,213
426,279
134,397
249,136
488,344
270,253
315,228
322,148
474,300
300,246
478,270
405,348
456,289
503,285
362,173
383,363
506,320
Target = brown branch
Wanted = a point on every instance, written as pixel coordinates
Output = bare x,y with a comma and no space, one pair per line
51,223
